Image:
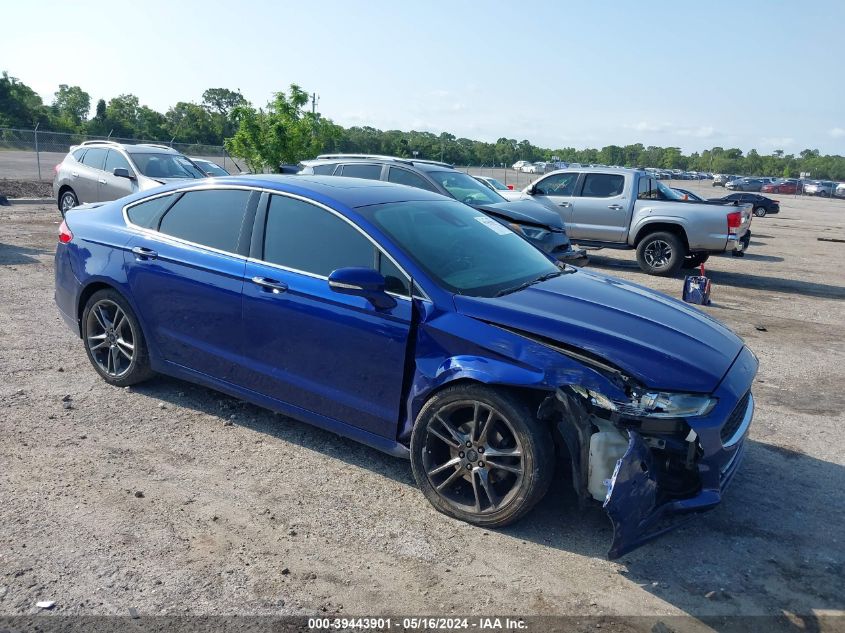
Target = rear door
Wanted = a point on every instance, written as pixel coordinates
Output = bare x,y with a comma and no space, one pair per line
557,192
330,354
90,170
111,187
600,211
186,269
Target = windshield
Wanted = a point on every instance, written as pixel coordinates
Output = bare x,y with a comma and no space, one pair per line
165,165
462,250
212,169
465,188
496,184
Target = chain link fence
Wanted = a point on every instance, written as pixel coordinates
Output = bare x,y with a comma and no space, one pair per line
33,154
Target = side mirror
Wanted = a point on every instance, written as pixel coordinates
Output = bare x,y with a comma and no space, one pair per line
362,282
122,172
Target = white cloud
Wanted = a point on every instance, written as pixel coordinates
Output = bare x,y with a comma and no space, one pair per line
777,142
702,131
837,132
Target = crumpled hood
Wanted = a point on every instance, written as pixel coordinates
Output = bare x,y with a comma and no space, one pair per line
525,211
662,342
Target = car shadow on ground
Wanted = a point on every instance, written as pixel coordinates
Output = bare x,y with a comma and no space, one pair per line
771,545
740,280
14,255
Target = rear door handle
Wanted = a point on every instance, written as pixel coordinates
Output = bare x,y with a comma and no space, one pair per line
144,253
74,174
564,204
102,181
272,285
616,207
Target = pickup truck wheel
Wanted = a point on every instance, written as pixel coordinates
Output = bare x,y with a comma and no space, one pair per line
760,212
661,253
694,261
480,455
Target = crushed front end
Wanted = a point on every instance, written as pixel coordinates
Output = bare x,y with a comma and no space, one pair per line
652,469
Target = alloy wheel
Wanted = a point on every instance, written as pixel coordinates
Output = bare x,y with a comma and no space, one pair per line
658,254
473,457
68,202
110,338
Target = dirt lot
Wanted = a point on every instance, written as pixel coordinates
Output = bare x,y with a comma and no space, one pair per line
170,498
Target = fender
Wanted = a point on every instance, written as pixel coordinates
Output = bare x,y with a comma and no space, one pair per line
647,216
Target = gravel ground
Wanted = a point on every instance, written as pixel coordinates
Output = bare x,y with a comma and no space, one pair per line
169,498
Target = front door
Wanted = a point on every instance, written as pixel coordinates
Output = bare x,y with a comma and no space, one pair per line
303,344
600,212
557,192
112,187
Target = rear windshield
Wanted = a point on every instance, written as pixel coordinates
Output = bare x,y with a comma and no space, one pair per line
165,165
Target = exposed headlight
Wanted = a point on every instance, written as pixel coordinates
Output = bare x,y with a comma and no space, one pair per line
531,232
653,404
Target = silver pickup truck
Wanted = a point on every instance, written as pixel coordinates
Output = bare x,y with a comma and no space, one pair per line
629,209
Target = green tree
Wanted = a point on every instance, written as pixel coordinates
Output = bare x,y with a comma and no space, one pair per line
20,105
71,105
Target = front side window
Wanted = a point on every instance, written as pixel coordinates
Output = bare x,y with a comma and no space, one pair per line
557,185
359,170
95,157
465,188
603,185
461,249
153,165
305,237
212,217
115,160
405,177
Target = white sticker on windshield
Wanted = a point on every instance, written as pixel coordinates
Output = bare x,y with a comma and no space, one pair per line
491,224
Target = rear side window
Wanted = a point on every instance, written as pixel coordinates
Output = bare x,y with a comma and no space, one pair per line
355,170
114,160
645,190
405,177
95,157
324,170
557,185
603,185
77,153
147,213
211,218
306,237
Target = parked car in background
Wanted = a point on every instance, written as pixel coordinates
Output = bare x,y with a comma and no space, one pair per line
414,324
627,208
688,195
534,168
824,188
208,167
761,205
98,171
518,165
495,185
788,186
839,192
543,228
745,184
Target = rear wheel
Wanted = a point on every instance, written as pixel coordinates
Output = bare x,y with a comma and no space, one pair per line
113,339
760,212
67,200
480,455
661,253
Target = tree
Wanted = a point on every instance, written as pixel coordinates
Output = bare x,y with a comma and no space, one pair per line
284,133
72,104
20,105
189,122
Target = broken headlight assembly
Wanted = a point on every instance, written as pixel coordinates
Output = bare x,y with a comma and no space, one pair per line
652,404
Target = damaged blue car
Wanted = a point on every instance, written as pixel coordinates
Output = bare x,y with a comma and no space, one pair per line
424,328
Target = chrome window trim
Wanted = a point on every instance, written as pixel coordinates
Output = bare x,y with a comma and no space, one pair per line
209,186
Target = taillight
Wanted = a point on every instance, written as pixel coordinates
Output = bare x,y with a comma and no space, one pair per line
510,187
57,168
734,220
65,235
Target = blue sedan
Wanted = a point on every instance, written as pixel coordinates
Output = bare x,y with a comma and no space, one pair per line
419,326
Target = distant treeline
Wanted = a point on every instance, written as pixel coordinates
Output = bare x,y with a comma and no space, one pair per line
225,116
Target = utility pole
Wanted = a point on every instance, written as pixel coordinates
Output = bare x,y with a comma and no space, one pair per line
314,99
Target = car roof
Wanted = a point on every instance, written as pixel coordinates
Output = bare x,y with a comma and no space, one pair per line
419,163
351,192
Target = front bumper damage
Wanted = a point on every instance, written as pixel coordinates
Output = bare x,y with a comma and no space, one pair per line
662,480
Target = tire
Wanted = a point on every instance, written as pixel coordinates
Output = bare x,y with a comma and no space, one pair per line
113,339
695,260
440,457
67,200
760,212
661,253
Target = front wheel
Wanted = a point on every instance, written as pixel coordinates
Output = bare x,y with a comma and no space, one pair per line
760,212
113,339
661,253
480,455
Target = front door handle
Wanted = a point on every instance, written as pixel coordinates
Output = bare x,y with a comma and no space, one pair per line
564,204
616,207
74,174
144,253
271,285
102,181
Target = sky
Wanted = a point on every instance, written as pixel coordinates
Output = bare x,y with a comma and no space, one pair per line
560,73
